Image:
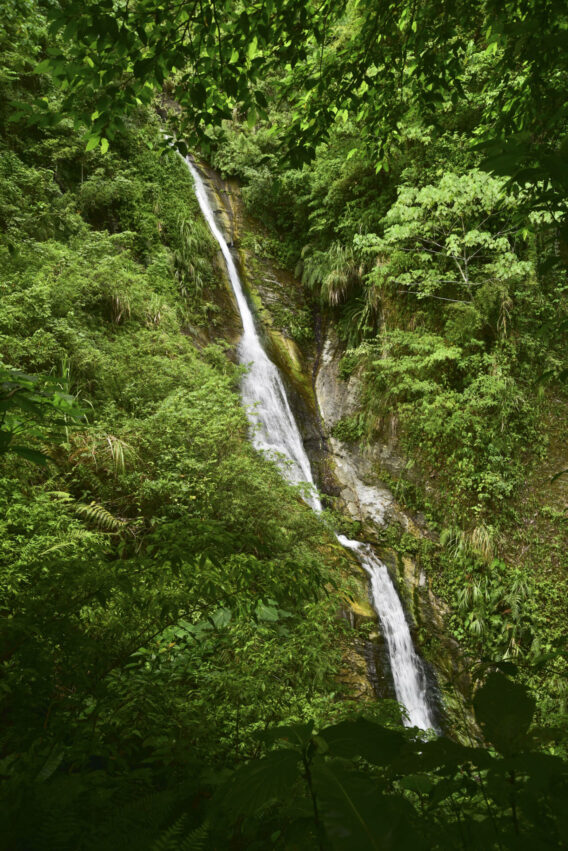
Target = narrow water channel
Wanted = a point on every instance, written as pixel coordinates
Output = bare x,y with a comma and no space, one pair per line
275,431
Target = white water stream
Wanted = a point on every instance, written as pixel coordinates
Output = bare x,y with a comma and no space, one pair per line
275,431
408,673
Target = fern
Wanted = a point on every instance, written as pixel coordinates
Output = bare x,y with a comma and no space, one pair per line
106,452
58,830
358,320
100,517
169,840
139,823
195,841
334,272
192,261
176,838
342,276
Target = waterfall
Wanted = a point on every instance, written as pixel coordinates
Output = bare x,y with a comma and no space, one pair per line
408,673
274,430
273,427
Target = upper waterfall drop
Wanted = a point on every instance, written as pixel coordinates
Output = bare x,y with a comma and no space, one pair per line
275,431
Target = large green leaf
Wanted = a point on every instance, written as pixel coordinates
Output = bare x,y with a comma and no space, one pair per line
33,455
504,710
297,735
363,738
356,816
259,782
441,754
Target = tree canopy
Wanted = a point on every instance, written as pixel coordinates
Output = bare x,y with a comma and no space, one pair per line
368,58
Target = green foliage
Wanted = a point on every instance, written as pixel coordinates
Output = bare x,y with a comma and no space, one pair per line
505,712
210,58
170,641
357,784
100,517
297,323
32,407
194,257
158,609
451,241
333,273
372,60
446,285
500,609
349,363
382,61
350,429
463,414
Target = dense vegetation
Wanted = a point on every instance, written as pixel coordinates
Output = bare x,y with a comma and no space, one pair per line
161,586
170,642
447,286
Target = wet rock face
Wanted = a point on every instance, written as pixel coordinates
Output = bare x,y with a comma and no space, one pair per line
362,495
336,398
364,498
339,398
364,502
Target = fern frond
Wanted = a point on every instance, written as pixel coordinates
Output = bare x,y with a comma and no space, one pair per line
196,840
170,839
100,517
175,838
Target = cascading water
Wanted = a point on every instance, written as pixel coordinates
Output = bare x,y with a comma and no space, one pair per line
408,673
275,431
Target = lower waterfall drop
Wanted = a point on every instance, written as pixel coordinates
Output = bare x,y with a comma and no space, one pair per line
409,676
274,430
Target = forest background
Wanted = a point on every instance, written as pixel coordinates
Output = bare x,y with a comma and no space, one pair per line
167,600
